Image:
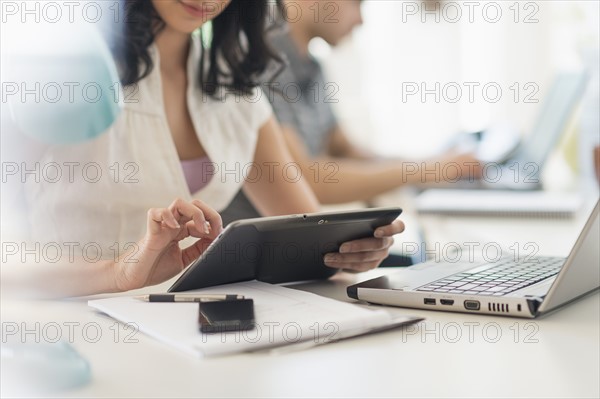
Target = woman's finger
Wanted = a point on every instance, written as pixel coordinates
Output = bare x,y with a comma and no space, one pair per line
340,261
212,217
193,230
185,211
366,244
396,227
157,217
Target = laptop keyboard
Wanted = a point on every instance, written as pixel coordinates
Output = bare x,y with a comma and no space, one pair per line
503,278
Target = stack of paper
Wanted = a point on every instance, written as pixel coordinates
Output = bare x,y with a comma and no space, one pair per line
283,316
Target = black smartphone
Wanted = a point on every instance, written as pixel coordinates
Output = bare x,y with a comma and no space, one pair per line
233,315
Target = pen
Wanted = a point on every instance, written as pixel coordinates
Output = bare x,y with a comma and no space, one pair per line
188,297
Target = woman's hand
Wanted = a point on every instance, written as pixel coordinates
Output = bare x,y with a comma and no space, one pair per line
158,256
367,253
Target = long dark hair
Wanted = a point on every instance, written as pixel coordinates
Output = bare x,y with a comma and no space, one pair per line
238,53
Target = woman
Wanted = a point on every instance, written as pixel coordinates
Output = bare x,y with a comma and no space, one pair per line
194,128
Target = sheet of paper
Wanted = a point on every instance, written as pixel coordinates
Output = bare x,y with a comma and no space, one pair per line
283,316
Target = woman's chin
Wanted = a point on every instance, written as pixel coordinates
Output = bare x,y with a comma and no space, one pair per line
184,28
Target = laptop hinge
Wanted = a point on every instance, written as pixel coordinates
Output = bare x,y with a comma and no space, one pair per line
534,304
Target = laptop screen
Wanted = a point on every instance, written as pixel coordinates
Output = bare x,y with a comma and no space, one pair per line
553,118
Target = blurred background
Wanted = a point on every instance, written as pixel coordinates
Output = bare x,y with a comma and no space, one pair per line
517,46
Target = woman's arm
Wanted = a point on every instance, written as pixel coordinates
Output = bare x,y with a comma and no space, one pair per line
276,185
156,258
63,279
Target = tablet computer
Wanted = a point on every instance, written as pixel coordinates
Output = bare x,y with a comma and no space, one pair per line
280,249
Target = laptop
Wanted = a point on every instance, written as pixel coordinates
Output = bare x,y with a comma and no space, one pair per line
520,169
526,287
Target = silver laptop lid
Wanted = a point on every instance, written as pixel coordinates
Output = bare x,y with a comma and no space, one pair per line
558,107
581,272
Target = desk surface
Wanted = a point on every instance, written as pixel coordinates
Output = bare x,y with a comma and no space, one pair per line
448,354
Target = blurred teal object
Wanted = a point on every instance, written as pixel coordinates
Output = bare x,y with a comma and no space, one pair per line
42,368
61,82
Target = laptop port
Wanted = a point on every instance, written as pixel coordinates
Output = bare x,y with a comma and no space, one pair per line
447,301
472,305
429,301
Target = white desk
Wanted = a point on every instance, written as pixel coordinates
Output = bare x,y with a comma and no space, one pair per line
556,356
449,354
547,235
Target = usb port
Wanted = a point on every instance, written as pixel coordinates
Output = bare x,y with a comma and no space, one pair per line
447,301
429,301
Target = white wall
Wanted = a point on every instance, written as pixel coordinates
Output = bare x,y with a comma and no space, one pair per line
385,53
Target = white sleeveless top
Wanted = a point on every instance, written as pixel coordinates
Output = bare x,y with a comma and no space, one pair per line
134,166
